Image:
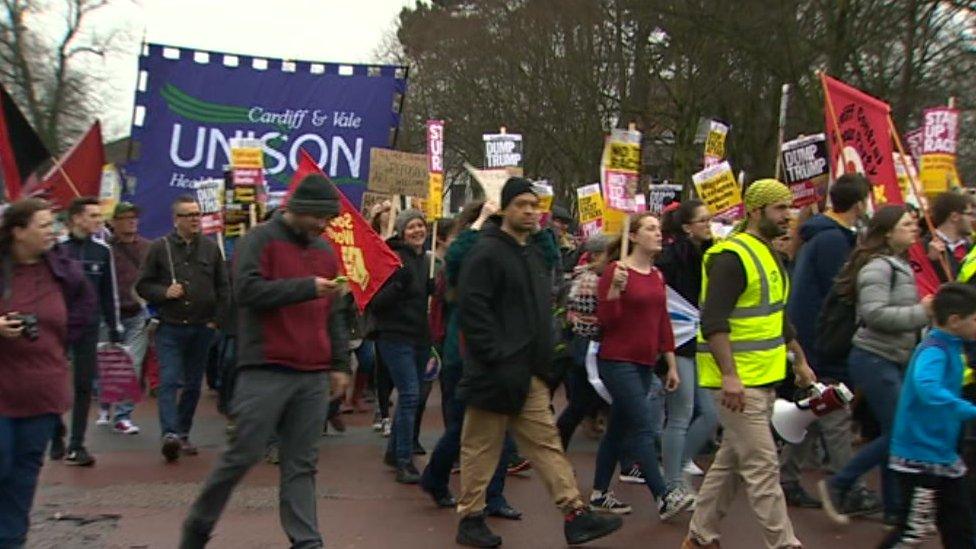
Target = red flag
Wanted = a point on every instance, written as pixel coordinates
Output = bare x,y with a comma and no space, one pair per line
862,122
21,149
79,174
366,259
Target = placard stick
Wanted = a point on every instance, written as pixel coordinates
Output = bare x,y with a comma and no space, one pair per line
943,261
783,103
433,249
625,239
391,221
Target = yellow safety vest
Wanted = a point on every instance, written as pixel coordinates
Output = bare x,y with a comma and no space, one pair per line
968,267
756,322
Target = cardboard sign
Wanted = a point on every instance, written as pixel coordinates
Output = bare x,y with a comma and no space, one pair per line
660,196
371,199
590,209
492,181
502,150
397,172
720,191
806,166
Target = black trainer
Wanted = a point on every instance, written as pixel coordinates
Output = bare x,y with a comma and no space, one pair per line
473,532
442,497
171,447
860,501
57,448
796,496
79,456
408,474
583,525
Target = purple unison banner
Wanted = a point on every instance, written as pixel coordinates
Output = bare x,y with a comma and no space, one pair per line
189,104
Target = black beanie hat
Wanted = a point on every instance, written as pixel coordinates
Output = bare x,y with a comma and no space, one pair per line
316,195
514,187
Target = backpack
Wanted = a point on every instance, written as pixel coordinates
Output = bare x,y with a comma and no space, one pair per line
837,323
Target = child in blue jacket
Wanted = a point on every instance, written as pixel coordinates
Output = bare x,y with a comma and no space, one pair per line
927,426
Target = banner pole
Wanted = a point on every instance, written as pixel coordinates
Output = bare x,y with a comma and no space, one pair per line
433,249
783,104
74,189
943,261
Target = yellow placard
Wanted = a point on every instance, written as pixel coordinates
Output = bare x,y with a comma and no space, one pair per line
718,189
435,197
623,156
591,208
938,173
613,221
715,141
246,157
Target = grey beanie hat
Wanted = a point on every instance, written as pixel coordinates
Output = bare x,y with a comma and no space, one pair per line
596,244
405,217
316,195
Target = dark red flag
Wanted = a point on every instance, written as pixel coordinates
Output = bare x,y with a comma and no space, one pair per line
79,172
366,260
21,149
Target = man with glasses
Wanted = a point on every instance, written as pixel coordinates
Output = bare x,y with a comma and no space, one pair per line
952,215
184,279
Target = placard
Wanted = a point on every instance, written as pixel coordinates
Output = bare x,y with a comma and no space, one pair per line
806,168
210,196
937,166
492,181
715,142
502,150
398,173
661,195
718,189
620,189
117,381
591,209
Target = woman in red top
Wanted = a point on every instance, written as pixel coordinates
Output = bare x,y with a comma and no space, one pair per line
636,332
45,301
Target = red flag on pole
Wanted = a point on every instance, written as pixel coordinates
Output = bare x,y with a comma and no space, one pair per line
77,173
861,142
366,259
21,149
861,121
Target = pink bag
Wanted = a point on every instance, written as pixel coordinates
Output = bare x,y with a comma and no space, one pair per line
117,379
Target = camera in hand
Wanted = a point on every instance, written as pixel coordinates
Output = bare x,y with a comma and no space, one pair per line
29,324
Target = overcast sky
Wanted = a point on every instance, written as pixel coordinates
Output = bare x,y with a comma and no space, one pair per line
314,30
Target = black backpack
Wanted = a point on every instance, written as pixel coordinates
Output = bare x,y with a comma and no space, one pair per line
837,323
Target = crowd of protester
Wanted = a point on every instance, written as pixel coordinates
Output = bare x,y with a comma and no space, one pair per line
506,311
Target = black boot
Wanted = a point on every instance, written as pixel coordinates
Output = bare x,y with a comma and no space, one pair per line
473,532
408,474
796,496
583,525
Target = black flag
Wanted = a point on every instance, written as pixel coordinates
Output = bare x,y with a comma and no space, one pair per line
21,149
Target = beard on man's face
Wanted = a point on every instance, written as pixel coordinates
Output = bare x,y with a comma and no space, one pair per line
769,229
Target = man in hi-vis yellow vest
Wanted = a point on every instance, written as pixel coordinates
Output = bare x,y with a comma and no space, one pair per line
742,347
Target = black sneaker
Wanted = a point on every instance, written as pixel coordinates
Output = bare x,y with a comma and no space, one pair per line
583,525
79,457
633,476
796,496
57,448
607,502
408,474
674,502
860,502
833,502
474,532
418,449
171,447
442,496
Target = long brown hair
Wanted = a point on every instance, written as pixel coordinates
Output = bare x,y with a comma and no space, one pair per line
875,244
18,215
613,251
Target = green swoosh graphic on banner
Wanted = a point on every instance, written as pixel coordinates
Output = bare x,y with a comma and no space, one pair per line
201,111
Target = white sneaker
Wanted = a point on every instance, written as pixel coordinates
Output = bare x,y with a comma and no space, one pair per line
387,427
693,469
126,427
103,418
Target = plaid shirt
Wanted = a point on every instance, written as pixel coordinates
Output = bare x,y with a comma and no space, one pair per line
581,309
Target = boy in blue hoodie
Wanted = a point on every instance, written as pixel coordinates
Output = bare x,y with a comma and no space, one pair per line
928,421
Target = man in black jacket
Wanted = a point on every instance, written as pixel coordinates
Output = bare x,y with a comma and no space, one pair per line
184,278
505,312
85,221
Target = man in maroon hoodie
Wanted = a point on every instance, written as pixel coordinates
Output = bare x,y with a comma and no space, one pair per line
292,344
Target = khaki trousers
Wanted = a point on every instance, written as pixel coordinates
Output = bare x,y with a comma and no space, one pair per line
747,456
534,429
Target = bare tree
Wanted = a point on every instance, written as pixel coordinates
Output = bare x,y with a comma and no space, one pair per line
46,71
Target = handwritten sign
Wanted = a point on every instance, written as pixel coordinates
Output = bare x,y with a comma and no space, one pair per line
397,172
492,181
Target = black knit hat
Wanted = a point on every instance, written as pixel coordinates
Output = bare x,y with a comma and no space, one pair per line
316,195
560,213
514,187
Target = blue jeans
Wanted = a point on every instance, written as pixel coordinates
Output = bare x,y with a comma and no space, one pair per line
182,351
879,379
437,474
366,358
406,363
135,338
638,405
22,443
692,421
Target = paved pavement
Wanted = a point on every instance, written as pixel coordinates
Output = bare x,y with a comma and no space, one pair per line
132,499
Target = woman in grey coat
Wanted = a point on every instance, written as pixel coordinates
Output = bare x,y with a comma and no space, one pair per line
890,315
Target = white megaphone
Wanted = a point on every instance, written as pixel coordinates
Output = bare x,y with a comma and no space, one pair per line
790,419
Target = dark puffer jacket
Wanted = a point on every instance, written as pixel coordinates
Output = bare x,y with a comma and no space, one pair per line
399,309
